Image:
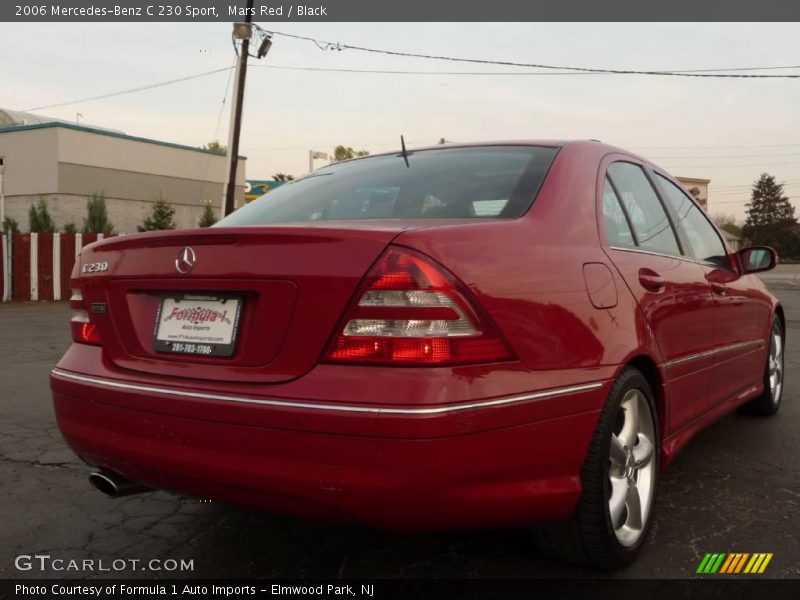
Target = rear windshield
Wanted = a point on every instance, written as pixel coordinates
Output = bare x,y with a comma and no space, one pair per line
479,182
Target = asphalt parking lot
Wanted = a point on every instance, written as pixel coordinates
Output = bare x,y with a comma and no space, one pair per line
736,488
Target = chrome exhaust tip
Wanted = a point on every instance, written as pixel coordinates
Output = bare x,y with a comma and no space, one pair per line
114,485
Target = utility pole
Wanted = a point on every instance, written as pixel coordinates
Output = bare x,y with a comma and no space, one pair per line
2,193
243,33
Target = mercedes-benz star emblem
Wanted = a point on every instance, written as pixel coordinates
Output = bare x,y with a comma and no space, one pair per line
185,261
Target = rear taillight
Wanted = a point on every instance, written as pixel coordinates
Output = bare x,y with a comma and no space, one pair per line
411,311
83,330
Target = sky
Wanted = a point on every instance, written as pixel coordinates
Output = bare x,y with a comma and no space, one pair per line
728,131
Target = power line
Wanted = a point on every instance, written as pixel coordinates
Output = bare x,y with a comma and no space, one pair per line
415,72
743,193
792,180
746,193
320,144
748,186
131,90
563,71
700,73
700,156
710,147
219,120
729,166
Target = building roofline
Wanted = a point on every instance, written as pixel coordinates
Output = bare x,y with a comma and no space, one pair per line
123,136
692,179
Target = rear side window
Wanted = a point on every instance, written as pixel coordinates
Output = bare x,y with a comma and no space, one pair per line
617,228
705,243
649,220
479,182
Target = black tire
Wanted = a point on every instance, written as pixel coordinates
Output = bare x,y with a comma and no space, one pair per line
588,536
769,403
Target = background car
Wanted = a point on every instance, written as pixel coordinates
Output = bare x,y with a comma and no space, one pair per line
462,336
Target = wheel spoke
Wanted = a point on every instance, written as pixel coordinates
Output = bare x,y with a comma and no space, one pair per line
616,504
630,427
634,506
643,451
617,453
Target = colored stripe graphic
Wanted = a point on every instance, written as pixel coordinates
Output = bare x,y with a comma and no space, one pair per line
741,562
758,563
734,563
711,562
727,564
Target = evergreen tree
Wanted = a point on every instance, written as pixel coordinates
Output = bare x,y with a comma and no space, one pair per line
282,177
770,217
39,218
208,218
96,220
70,228
160,216
10,226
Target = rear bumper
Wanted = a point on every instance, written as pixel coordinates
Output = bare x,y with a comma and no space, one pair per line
498,461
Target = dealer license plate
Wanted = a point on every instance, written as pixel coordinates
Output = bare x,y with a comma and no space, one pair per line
202,324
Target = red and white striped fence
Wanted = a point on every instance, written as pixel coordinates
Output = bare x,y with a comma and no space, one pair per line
37,266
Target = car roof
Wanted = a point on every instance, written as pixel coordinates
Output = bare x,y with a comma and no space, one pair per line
593,145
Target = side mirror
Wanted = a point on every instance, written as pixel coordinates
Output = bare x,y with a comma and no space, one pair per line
757,259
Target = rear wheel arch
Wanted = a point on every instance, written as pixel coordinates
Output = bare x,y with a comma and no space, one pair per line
595,533
649,369
779,313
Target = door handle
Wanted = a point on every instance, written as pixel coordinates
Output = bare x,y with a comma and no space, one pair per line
651,281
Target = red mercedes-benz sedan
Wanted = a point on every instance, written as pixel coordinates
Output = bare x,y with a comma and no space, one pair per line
453,337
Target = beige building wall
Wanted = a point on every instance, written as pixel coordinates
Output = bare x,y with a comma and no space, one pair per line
30,161
701,184
140,156
66,165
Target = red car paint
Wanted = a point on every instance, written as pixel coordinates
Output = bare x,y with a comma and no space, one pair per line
277,427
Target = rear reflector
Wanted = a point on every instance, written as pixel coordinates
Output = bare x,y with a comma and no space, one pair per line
412,311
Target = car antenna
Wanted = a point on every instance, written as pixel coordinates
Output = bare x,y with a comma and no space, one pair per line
405,152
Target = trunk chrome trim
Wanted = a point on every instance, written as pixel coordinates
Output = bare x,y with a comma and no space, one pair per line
551,393
714,352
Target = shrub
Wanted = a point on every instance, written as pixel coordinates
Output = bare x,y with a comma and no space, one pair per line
10,226
208,218
96,220
160,216
39,218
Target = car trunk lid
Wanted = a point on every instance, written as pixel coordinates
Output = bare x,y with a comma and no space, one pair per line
281,290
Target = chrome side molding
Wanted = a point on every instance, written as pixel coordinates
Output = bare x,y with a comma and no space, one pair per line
715,351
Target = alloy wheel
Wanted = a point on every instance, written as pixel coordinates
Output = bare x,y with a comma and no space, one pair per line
775,365
632,468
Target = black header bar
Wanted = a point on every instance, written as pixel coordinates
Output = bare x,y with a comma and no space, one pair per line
401,10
